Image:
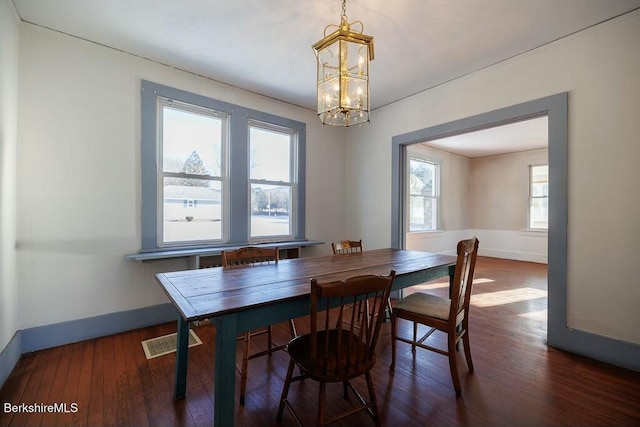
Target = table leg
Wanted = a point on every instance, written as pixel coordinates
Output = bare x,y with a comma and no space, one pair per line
225,370
182,352
452,272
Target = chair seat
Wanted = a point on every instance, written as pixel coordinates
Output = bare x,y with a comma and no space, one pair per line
334,367
426,305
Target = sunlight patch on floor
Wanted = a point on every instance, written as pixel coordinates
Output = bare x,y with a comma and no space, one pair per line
427,286
535,315
490,299
481,281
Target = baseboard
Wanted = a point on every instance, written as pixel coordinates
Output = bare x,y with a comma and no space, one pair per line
48,336
42,337
9,356
506,244
597,347
516,256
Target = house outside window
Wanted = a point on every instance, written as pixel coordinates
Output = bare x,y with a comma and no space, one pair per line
423,186
539,197
216,174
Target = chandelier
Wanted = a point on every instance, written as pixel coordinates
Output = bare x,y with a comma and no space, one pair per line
343,73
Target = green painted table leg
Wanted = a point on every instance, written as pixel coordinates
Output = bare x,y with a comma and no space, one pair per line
225,370
452,272
182,353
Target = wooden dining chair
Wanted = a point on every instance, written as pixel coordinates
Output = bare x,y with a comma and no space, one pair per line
352,246
449,315
337,349
346,246
253,255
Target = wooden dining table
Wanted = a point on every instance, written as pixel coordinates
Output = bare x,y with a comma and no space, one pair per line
241,299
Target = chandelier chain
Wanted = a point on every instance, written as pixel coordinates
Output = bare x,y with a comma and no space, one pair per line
344,11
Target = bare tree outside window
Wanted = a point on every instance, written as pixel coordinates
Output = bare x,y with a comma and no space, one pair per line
194,166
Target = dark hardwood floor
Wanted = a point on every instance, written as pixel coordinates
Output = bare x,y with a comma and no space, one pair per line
518,380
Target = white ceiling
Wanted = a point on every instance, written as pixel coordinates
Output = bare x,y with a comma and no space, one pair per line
264,46
525,135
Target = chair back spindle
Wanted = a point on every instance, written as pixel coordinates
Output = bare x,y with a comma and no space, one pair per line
249,255
346,246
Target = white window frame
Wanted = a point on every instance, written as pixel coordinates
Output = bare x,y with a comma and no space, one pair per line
292,183
436,196
223,178
530,197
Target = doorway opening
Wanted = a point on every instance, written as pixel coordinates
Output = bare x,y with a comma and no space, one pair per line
555,109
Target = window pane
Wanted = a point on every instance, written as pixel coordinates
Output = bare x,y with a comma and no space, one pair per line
270,210
421,213
270,155
540,190
191,142
421,178
539,213
191,210
540,181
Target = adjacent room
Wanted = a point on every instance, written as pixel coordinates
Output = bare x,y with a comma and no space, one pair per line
191,191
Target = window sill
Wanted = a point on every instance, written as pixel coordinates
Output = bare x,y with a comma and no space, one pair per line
212,250
538,232
427,232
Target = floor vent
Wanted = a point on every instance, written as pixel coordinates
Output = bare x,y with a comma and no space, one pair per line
166,344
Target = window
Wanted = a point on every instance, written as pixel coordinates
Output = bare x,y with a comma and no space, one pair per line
215,173
423,194
271,175
192,171
539,197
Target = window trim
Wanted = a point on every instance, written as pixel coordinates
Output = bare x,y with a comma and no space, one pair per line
238,183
